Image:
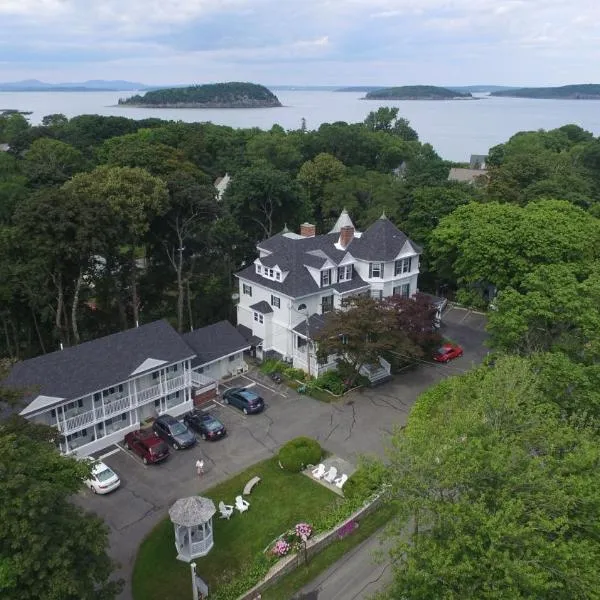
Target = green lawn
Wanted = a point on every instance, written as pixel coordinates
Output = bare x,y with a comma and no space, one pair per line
277,503
296,580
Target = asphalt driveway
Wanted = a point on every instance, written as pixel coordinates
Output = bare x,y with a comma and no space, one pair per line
358,424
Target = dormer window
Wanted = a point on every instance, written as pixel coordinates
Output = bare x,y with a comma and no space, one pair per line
345,273
259,269
325,277
278,275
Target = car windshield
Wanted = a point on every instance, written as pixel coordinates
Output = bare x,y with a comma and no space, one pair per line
158,449
212,424
104,475
178,429
443,350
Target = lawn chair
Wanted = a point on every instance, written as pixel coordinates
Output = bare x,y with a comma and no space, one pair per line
330,475
226,510
318,471
340,481
241,504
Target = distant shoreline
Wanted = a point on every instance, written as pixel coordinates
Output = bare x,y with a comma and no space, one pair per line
420,98
197,106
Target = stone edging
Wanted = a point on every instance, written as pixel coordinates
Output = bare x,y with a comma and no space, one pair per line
314,546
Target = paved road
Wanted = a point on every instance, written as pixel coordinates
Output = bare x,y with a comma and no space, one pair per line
357,425
356,576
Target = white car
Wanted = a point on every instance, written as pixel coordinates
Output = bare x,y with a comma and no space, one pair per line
103,480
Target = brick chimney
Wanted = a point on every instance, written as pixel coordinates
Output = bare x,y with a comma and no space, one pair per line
346,235
308,230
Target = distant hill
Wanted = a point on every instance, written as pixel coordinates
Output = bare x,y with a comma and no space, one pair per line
480,89
215,95
583,91
34,85
360,88
416,92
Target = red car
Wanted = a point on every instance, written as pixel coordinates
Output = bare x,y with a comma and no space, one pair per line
447,352
145,444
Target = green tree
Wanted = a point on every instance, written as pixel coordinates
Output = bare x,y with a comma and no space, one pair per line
497,493
264,199
277,148
12,126
135,198
555,309
51,162
49,548
385,118
481,245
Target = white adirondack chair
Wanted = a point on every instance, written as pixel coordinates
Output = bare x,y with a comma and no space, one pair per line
340,481
241,504
318,471
226,510
330,475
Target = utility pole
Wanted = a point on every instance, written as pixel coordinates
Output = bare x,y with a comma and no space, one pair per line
194,586
307,343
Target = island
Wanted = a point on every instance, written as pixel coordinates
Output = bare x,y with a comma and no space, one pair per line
417,92
583,91
215,95
359,88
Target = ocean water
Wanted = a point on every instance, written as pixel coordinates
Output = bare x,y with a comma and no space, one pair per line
455,128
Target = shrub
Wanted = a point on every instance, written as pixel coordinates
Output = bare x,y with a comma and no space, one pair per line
272,366
296,454
366,481
332,381
296,374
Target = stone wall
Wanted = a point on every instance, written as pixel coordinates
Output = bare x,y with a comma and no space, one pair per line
314,546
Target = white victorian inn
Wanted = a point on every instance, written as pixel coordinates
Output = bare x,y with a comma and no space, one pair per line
298,278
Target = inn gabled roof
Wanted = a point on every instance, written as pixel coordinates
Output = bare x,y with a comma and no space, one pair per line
92,366
215,341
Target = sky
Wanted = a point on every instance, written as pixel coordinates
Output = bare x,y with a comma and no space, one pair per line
302,42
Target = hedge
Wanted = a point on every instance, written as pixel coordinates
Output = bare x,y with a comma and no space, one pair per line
296,454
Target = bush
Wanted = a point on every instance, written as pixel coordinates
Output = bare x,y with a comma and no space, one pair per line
295,374
331,381
296,454
272,366
366,481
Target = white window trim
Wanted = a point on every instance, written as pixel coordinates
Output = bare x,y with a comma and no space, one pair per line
346,272
380,266
275,301
259,317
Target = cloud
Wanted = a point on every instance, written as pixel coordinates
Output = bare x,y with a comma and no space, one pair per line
483,40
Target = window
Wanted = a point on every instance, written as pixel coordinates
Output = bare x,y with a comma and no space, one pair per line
97,397
124,417
270,273
80,403
201,370
402,290
258,317
377,294
275,301
376,270
404,265
157,403
232,358
259,269
155,375
278,276
247,289
174,368
345,273
326,304
53,413
325,277
302,307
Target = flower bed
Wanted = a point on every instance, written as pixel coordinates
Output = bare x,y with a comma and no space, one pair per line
291,540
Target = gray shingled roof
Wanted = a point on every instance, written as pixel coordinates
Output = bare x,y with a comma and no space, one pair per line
315,324
381,242
246,332
215,341
192,511
92,366
262,307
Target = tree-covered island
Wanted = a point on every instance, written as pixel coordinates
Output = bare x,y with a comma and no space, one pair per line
584,91
416,92
214,95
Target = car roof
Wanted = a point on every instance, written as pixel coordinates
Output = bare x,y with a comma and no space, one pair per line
99,466
248,394
169,419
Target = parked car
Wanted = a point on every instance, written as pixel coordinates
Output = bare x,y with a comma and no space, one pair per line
147,446
447,352
244,399
174,432
103,479
209,427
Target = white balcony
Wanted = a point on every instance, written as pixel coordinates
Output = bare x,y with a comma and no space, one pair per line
127,402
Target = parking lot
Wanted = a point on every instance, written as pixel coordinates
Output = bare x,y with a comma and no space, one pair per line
357,424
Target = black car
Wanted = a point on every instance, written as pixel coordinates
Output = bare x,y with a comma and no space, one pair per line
209,427
244,399
174,432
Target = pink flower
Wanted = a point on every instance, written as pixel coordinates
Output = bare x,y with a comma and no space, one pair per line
303,531
281,548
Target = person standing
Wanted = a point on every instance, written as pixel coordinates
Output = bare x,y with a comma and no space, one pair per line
200,467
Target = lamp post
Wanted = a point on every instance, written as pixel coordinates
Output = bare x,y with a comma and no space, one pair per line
194,586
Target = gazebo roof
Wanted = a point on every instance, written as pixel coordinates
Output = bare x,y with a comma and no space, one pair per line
192,511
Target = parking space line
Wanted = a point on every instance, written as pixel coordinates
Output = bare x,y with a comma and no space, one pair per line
117,449
131,455
254,382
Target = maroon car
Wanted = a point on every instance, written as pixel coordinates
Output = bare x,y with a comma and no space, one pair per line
145,444
447,352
